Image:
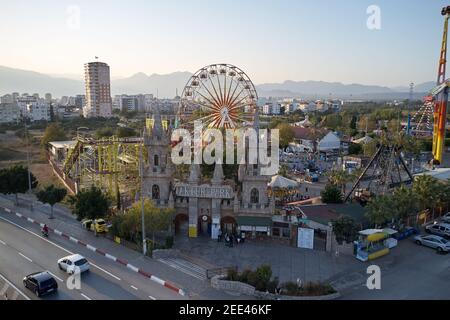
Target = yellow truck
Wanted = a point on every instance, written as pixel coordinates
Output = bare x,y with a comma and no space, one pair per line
97,225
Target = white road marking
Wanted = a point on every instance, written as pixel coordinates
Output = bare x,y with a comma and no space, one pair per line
56,276
58,246
108,273
24,256
30,220
89,247
153,298
135,288
3,243
15,288
59,233
7,210
85,296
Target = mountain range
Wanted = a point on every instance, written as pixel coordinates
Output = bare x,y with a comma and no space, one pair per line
166,86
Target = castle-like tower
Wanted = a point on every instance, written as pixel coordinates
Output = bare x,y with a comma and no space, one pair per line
158,173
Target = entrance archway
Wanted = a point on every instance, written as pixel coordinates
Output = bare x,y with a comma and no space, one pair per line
181,224
228,224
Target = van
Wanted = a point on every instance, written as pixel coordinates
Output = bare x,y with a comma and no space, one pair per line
440,229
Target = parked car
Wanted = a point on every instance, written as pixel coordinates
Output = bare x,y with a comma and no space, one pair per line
70,263
98,225
440,229
432,241
40,283
446,218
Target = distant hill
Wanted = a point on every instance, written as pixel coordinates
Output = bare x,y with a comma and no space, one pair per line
16,80
165,85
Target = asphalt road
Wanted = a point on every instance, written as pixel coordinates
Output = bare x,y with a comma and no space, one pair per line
418,272
24,251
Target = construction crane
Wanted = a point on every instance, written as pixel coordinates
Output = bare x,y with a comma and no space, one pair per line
440,106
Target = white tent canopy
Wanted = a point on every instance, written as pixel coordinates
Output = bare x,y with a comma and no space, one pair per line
282,182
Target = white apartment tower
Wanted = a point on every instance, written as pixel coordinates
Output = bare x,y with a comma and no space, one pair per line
98,90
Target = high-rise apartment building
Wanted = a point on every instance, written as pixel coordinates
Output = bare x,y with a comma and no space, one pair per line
98,90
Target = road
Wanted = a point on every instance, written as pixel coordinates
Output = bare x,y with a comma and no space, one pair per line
24,251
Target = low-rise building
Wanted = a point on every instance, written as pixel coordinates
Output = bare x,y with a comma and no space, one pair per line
9,113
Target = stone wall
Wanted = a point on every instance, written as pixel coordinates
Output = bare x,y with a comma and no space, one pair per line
233,286
246,289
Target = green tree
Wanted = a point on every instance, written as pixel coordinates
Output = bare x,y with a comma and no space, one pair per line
353,123
405,202
156,219
355,149
426,189
345,229
125,132
286,133
380,210
104,132
331,194
340,178
51,195
90,204
14,180
54,132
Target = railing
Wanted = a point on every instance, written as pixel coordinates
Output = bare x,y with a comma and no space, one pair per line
219,271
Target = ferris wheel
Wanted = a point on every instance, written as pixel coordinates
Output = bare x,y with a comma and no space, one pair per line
220,96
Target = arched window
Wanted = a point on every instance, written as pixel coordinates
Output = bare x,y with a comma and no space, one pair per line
254,196
156,160
155,192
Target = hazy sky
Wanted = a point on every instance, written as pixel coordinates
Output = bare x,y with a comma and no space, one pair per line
272,41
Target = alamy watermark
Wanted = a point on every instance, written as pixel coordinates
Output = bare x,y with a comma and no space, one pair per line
374,280
374,20
73,13
252,147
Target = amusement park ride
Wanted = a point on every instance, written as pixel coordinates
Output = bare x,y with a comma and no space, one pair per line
387,169
220,96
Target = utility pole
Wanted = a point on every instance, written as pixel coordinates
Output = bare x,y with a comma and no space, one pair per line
28,161
141,175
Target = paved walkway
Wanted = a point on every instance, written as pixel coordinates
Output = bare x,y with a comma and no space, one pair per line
288,263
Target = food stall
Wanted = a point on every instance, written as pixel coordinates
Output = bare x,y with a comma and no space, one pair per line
374,243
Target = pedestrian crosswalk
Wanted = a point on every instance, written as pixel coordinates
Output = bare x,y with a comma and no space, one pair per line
185,266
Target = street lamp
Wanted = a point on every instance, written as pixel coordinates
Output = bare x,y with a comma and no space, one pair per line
141,175
28,156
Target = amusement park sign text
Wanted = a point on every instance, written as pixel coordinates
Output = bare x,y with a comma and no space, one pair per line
223,192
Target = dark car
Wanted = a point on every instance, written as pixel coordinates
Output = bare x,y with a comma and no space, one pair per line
40,283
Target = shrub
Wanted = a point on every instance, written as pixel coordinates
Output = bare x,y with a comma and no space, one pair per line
243,277
169,242
308,289
272,285
232,275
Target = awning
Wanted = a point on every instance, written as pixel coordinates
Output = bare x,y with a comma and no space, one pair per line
254,221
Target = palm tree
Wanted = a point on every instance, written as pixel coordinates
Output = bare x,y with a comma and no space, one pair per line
405,203
380,210
340,178
426,190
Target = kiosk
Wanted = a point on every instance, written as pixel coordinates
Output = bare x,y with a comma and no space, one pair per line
374,243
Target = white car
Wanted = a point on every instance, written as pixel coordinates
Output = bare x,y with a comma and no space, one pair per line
73,263
432,241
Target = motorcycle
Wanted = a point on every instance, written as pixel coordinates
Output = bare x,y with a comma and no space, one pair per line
44,234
